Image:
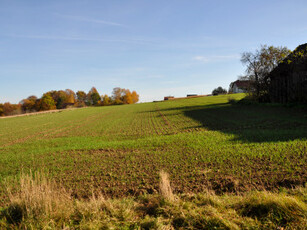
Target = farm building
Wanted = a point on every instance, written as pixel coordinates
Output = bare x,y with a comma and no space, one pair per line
239,86
168,98
288,81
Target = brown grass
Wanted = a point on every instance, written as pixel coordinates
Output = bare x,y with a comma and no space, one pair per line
39,197
165,186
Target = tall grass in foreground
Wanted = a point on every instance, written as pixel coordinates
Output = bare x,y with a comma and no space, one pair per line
36,202
165,186
37,198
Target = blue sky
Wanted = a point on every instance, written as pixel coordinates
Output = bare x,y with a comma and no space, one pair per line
158,48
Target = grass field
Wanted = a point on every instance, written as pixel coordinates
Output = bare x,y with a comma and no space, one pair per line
203,143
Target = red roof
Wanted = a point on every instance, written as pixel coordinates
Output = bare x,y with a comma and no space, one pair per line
242,84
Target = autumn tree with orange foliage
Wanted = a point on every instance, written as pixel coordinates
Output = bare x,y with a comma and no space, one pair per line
105,100
124,96
46,103
127,98
29,104
81,96
59,98
11,109
135,97
70,96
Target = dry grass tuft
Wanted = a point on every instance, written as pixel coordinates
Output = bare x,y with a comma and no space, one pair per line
165,186
36,196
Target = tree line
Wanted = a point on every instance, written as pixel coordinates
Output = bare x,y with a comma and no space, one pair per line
61,99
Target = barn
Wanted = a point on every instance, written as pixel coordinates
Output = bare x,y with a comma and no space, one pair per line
288,81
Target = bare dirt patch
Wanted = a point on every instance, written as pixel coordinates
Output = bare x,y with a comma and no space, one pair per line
125,172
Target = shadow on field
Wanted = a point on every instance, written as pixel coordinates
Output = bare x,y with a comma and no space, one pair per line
251,123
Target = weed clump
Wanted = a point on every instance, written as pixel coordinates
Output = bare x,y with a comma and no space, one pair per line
37,198
273,209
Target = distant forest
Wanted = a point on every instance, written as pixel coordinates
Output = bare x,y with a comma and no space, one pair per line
62,99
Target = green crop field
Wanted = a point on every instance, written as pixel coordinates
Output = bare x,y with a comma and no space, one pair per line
203,143
206,145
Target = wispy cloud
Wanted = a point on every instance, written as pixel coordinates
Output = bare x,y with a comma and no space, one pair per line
91,20
216,58
78,38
